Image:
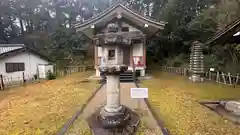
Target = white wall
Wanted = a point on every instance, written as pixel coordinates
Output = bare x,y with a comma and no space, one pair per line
138,49
31,61
43,70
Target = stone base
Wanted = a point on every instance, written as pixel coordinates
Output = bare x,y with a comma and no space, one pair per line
114,120
196,78
124,123
220,108
233,107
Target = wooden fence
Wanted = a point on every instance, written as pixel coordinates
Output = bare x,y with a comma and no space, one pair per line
218,77
23,79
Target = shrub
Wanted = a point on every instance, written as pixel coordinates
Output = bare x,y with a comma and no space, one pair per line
177,61
50,75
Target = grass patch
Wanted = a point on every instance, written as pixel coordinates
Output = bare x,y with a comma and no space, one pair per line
79,127
143,129
42,109
174,99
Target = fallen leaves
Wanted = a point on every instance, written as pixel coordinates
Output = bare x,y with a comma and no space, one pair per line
174,99
40,109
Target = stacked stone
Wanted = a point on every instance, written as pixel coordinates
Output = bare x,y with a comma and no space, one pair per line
197,62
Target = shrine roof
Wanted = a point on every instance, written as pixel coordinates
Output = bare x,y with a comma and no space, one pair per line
126,13
226,35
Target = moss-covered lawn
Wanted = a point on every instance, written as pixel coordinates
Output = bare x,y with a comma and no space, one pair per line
42,109
174,99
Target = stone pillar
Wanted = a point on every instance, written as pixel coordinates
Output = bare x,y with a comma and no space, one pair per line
196,62
97,73
113,94
113,114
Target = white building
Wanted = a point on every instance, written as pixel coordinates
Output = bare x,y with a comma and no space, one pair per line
129,21
18,59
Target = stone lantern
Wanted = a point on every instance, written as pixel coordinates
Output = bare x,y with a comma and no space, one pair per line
113,114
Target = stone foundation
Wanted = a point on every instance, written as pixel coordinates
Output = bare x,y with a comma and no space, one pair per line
118,119
227,109
196,78
101,126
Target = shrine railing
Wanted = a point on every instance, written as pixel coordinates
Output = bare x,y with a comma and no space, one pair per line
138,61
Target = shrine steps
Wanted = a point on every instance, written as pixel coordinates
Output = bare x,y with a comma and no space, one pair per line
125,77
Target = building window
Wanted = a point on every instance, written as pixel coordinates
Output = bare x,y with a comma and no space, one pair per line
111,54
14,67
125,29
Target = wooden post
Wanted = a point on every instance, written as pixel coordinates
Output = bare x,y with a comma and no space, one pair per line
2,82
217,80
224,79
236,82
210,75
134,70
65,71
230,79
185,71
139,104
23,78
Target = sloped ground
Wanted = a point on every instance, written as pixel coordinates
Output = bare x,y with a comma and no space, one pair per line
42,109
174,99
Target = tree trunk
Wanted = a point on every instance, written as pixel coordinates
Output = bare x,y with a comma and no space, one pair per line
28,26
21,25
31,25
70,22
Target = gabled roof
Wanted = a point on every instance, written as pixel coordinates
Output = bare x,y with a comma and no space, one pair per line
231,29
13,49
127,13
4,48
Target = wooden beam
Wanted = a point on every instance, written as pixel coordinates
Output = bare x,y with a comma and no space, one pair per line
131,55
141,28
95,56
144,51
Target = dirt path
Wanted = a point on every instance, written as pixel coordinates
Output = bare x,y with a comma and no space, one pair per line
150,125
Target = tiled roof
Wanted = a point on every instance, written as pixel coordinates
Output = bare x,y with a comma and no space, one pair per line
111,8
8,49
4,48
233,25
